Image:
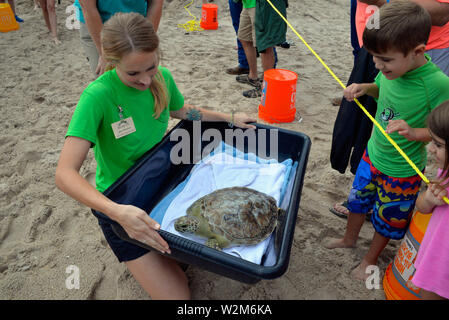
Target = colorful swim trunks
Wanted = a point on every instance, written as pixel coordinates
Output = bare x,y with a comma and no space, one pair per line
392,199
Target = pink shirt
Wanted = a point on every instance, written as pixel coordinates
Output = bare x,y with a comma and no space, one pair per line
438,39
432,262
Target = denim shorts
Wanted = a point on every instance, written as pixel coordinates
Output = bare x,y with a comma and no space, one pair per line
392,199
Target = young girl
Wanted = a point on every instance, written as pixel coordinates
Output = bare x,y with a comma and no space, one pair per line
123,114
432,262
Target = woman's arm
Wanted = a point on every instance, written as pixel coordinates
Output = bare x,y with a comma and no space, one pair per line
190,112
154,12
135,221
94,24
439,11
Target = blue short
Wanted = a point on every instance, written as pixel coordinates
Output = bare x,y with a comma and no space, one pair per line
123,250
392,199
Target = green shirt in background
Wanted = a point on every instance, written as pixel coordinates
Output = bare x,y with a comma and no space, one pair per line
410,98
97,109
249,4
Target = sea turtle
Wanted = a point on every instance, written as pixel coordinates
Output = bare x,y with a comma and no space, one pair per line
231,216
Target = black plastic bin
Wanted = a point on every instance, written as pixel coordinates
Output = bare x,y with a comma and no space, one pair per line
155,175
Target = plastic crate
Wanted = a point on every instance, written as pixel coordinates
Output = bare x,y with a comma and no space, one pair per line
154,176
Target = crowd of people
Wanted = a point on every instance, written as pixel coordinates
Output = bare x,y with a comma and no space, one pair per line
400,74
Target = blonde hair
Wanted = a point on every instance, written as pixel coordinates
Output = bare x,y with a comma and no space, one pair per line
125,33
403,25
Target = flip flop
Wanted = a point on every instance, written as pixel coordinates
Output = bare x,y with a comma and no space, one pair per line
345,215
338,213
244,78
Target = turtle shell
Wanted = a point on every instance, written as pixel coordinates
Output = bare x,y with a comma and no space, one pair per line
241,215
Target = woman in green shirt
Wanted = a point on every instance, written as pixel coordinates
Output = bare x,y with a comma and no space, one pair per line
123,114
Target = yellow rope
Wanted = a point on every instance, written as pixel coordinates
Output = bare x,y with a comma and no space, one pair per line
402,153
191,25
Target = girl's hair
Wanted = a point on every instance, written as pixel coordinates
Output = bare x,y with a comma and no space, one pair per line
125,33
438,123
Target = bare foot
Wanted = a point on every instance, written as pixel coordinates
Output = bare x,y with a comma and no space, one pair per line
332,243
56,41
360,271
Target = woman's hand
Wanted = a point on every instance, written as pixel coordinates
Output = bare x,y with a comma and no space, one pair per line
240,120
101,66
139,226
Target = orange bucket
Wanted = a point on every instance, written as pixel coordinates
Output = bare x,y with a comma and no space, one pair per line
277,103
401,270
209,15
7,20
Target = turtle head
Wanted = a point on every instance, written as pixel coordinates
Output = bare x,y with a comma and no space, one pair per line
187,224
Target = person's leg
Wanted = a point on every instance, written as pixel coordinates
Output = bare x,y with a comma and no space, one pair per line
89,48
13,7
52,20
378,244
362,198
251,57
391,216
160,277
235,9
353,227
44,8
354,39
268,59
245,35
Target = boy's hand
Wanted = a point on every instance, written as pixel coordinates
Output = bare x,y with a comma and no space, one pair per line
353,91
401,127
435,194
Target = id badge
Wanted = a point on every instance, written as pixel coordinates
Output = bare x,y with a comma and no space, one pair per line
123,127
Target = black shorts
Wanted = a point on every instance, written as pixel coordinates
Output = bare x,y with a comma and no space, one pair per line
123,250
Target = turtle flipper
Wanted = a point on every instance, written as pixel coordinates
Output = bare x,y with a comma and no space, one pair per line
213,243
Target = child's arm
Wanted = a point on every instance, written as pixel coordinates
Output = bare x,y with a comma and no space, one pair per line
432,197
411,134
356,90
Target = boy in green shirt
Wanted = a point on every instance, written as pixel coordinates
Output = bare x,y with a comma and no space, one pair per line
407,88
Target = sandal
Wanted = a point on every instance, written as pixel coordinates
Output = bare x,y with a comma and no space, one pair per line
244,78
344,214
253,93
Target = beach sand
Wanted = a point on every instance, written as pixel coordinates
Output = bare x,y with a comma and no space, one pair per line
43,231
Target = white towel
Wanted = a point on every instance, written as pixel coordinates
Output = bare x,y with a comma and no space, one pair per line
221,171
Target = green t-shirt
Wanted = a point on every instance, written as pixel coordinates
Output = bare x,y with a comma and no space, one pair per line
249,4
410,98
97,109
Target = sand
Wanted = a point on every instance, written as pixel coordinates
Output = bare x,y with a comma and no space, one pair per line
43,231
